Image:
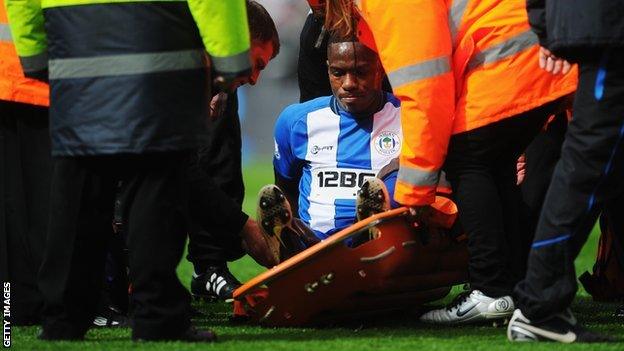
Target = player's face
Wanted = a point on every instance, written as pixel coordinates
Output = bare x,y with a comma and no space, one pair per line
261,54
355,76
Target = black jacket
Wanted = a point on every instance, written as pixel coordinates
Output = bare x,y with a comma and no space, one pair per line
130,78
570,27
312,66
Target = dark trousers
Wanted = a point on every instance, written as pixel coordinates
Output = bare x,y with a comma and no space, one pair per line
25,172
588,176
481,167
541,157
217,188
155,198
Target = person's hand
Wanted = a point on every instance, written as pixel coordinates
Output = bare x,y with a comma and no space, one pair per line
551,63
258,246
520,169
218,104
419,215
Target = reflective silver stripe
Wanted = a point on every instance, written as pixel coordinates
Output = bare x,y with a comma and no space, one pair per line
232,64
455,16
127,64
418,177
50,4
34,63
501,51
5,32
419,71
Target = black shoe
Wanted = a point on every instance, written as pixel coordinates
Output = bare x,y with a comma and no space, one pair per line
190,335
217,283
110,317
562,327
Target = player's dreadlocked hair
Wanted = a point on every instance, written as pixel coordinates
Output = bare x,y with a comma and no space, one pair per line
340,17
335,37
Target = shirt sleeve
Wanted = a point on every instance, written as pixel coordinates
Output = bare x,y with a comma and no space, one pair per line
537,19
28,32
286,164
421,77
224,30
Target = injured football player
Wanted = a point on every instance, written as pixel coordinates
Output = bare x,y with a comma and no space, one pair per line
330,152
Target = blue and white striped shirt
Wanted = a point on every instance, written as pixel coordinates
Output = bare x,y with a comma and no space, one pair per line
332,152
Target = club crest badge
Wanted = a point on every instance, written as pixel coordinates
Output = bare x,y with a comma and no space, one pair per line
387,143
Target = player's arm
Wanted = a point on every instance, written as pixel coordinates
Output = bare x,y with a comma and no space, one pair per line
224,31
286,165
29,37
213,208
536,10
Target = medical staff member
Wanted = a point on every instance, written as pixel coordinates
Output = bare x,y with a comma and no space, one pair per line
472,98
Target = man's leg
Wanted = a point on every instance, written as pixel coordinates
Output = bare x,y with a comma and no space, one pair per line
590,172
481,168
541,157
25,172
71,274
517,242
113,304
36,167
613,210
517,239
218,162
212,280
480,214
216,222
207,249
157,200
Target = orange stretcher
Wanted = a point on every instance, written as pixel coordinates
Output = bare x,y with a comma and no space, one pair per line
402,267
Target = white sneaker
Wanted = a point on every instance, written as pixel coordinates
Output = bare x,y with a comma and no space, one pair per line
470,308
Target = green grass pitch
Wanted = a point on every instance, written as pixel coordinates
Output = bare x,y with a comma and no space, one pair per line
400,332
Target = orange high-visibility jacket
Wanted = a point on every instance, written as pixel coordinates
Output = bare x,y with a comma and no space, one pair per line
13,85
456,65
